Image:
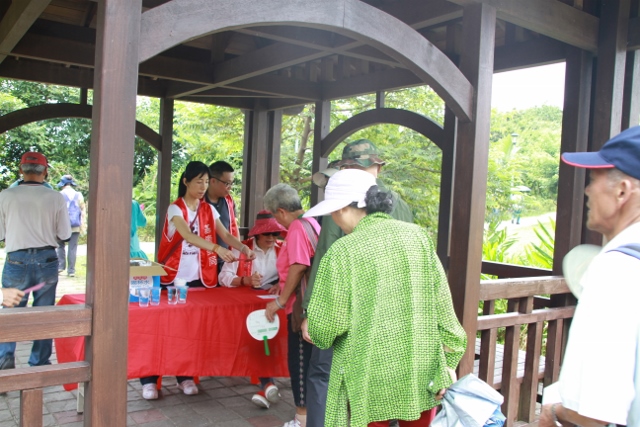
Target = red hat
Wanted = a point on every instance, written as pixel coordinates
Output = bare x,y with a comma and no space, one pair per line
33,158
266,223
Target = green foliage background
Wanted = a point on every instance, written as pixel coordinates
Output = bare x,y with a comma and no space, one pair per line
209,133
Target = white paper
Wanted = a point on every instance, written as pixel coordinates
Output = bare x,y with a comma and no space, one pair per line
268,296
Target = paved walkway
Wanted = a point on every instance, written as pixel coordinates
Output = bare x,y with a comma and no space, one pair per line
223,401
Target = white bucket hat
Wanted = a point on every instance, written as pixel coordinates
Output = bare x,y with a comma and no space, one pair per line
344,187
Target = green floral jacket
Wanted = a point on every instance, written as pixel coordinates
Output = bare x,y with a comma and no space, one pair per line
382,300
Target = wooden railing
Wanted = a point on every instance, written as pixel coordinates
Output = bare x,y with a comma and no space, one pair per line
22,324
519,367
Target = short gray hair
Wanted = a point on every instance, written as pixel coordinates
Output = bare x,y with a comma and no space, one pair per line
32,169
615,175
282,196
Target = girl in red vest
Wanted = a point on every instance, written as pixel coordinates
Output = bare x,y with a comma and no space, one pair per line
260,273
188,249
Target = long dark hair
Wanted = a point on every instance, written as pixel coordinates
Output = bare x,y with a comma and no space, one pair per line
378,201
193,170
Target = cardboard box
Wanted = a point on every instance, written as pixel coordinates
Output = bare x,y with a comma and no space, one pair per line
143,275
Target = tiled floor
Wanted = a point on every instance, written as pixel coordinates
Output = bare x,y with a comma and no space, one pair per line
223,401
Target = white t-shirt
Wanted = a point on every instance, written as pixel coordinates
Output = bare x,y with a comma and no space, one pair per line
600,375
265,264
32,216
189,268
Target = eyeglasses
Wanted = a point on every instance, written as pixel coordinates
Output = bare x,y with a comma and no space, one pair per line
271,234
226,184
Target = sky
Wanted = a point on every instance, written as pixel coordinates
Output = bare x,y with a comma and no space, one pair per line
531,87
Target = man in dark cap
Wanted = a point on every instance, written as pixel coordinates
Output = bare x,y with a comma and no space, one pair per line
360,154
32,220
76,209
600,376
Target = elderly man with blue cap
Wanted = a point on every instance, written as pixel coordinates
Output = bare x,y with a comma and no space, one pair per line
600,376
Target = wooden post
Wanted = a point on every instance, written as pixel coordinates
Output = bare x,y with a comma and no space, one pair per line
631,103
612,52
471,166
31,408
111,178
320,131
163,179
274,140
446,188
260,167
575,136
609,85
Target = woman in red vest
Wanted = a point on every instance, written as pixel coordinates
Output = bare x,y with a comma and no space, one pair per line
261,273
188,249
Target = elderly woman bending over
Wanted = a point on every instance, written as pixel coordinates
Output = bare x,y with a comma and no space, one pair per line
294,260
381,299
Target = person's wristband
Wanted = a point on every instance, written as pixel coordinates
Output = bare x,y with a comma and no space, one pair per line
242,248
215,247
277,300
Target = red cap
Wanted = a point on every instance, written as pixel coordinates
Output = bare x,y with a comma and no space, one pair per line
34,158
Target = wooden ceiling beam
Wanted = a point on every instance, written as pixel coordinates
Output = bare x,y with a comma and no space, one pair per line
57,74
258,62
81,53
281,86
549,18
423,14
370,83
417,15
536,52
241,103
328,42
17,21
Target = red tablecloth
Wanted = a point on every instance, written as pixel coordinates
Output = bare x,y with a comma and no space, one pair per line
207,336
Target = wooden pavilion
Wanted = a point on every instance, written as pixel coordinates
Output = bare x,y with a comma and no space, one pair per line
268,56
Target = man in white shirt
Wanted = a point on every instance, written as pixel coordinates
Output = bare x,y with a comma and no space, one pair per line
600,377
33,218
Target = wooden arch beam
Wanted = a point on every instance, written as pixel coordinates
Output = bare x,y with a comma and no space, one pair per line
64,110
421,124
179,21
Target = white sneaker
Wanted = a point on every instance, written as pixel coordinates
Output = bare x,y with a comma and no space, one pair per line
259,400
188,387
293,423
150,391
272,393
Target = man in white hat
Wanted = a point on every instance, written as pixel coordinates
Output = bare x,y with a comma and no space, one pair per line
600,376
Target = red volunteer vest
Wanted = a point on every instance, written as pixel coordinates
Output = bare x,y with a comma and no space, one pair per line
170,249
250,243
233,224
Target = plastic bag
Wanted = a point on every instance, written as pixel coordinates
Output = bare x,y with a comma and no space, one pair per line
470,402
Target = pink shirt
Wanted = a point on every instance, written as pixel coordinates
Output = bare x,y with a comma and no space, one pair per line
295,250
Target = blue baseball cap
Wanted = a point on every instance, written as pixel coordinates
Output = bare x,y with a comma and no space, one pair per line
621,152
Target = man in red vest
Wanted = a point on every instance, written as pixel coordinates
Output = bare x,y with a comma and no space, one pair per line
219,195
